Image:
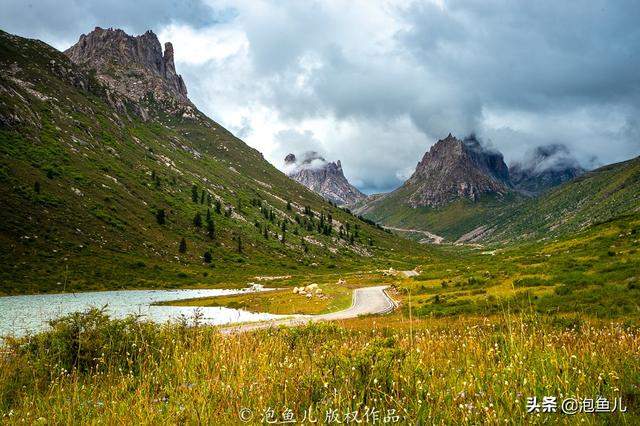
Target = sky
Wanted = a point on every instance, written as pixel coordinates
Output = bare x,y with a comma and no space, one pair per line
376,83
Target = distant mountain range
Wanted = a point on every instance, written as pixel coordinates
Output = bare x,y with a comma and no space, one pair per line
454,169
545,167
462,191
325,178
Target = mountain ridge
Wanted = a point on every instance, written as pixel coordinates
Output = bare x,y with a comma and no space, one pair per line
543,168
455,168
96,195
323,177
435,201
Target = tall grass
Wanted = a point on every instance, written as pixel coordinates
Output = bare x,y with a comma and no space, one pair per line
91,369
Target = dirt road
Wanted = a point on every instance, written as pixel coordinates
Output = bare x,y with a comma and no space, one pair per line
431,238
367,300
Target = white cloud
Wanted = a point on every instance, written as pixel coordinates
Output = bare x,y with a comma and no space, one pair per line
197,47
374,84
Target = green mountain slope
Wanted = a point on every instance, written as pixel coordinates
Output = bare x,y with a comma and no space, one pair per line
599,196
83,187
450,221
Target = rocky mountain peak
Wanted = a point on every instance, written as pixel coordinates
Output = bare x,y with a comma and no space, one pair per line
133,66
289,159
323,177
457,168
544,167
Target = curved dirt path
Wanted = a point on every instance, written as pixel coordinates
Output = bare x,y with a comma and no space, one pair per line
365,301
436,239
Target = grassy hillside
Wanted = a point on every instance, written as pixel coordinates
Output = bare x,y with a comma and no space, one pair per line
94,197
593,272
598,196
451,221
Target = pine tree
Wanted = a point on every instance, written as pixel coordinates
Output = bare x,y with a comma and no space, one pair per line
208,215
36,187
266,232
218,207
183,246
284,232
202,196
194,193
160,217
289,205
211,229
207,257
240,244
155,179
197,220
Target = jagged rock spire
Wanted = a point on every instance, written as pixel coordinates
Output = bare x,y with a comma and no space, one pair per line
133,66
322,177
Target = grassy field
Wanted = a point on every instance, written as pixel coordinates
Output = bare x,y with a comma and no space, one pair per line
334,298
467,370
337,291
478,332
596,271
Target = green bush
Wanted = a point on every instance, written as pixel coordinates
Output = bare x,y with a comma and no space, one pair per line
562,290
89,341
531,282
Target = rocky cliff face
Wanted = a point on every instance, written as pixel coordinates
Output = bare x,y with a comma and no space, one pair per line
322,177
543,168
453,169
133,67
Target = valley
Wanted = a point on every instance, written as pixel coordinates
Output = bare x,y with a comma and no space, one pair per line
156,269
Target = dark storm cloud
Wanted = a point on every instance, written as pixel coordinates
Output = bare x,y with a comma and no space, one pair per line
539,60
61,22
531,55
376,83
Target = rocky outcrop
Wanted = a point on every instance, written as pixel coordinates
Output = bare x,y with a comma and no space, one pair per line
454,169
322,177
543,168
132,66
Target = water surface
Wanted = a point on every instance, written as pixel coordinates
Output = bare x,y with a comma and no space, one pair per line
30,313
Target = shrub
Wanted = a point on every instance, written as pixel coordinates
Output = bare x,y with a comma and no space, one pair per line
562,290
531,282
89,341
160,216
